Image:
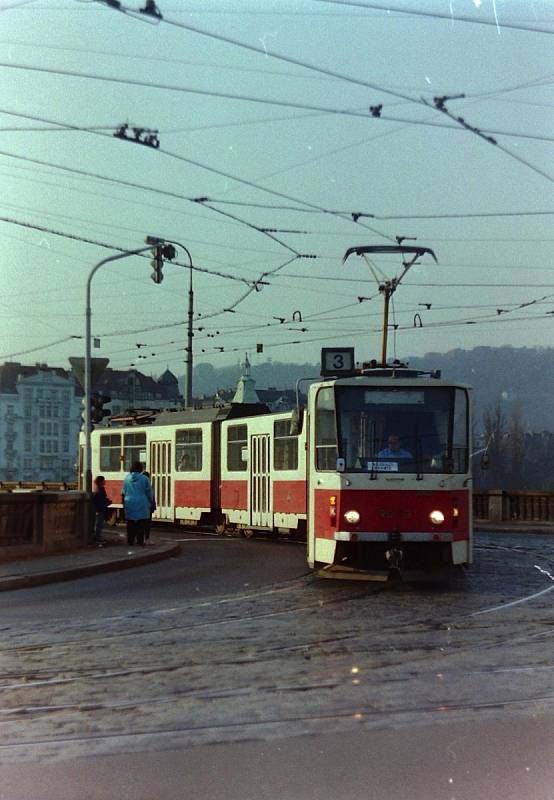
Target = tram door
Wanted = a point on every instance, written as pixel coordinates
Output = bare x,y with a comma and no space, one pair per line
160,475
260,484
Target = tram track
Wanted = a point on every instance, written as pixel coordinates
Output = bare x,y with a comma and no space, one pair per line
409,650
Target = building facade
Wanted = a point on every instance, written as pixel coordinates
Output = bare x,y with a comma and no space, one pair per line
131,389
40,419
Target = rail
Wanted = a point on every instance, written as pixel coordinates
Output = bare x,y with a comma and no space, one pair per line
498,505
36,486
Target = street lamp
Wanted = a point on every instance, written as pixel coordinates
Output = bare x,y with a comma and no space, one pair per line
153,240
87,459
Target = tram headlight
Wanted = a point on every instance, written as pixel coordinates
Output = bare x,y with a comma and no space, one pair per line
436,517
352,517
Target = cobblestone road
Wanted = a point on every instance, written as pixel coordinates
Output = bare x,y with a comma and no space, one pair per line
302,656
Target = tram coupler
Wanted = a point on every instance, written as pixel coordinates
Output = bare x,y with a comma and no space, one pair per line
394,558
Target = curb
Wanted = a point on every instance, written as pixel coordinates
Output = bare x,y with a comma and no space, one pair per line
528,529
85,571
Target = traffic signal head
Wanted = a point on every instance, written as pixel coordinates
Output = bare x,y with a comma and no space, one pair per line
161,252
157,264
97,410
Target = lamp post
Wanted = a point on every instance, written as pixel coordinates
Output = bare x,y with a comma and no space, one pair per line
152,240
87,459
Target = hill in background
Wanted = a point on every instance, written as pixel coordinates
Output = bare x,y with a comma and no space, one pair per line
522,378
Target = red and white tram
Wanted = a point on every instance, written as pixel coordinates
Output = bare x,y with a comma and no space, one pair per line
375,470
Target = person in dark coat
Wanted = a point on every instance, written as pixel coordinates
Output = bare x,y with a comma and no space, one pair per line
101,503
137,500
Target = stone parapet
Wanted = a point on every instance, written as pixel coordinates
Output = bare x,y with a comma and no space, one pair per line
42,523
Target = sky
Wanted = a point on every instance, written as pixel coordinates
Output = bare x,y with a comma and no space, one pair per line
270,165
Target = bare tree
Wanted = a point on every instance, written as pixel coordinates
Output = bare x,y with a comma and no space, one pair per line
495,432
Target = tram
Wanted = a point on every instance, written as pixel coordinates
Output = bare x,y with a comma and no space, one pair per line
374,472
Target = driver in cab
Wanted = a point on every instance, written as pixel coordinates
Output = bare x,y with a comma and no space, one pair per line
393,449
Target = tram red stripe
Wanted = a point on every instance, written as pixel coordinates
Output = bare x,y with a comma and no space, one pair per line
192,493
234,494
289,497
390,511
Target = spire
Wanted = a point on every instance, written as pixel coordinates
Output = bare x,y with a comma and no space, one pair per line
245,393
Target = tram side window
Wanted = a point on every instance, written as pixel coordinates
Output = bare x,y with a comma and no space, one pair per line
325,431
134,448
188,450
285,449
237,442
110,450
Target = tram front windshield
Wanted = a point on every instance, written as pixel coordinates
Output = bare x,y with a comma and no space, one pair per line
421,430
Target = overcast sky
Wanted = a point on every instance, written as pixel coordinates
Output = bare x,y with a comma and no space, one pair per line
289,149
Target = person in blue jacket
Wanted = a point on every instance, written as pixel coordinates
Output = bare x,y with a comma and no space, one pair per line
137,498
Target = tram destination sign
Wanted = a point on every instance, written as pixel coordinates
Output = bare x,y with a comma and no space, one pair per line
337,362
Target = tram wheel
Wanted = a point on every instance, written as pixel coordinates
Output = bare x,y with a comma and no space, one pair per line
248,533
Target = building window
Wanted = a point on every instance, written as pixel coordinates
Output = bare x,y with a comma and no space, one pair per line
285,449
28,428
48,428
28,411
110,451
27,463
65,446
28,445
55,446
55,411
65,428
237,442
134,449
188,450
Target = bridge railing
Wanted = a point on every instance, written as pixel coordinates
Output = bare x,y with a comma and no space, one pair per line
36,486
498,505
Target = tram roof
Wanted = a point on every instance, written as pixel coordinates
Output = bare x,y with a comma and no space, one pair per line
182,416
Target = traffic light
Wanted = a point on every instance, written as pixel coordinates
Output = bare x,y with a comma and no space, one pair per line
161,252
157,265
97,410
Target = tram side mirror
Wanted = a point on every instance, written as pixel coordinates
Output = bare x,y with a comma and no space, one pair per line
485,461
296,419
340,465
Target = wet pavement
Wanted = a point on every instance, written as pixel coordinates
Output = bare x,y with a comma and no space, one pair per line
298,657
113,555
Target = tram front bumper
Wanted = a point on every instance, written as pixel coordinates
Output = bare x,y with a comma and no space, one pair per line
392,538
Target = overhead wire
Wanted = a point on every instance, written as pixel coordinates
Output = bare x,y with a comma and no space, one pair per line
438,15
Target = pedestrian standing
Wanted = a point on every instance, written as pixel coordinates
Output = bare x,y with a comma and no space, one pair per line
137,498
101,503
153,507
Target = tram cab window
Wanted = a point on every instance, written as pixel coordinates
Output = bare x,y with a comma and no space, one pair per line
110,452
325,430
285,446
429,425
134,449
188,450
237,444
